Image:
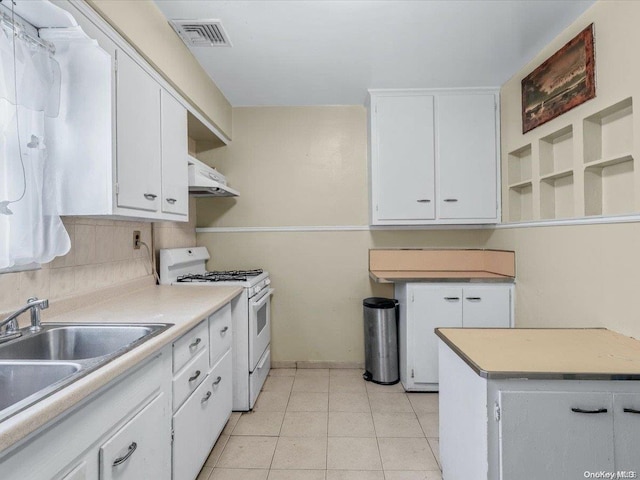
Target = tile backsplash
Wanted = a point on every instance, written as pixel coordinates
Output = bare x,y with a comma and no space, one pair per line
101,256
176,234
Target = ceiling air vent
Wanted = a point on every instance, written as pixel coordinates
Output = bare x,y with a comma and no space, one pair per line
201,33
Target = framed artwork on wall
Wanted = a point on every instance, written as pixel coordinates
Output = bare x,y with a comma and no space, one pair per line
562,82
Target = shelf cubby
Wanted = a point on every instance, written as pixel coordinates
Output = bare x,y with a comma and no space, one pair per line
609,186
579,167
521,202
556,195
556,151
609,132
520,165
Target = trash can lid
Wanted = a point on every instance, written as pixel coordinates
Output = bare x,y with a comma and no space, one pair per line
379,302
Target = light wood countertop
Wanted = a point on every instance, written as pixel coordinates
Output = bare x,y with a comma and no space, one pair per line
183,306
420,265
438,276
580,354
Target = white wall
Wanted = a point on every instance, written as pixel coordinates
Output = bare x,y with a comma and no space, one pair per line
142,23
574,276
306,166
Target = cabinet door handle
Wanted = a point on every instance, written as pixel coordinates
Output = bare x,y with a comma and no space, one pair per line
150,196
218,380
450,200
452,299
474,299
581,410
195,343
423,200
224,330
124,458
195,376
206,397
171,200
631,410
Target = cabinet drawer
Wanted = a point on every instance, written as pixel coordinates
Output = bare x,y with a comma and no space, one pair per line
140,449
222,388
193,432
188,379
259,375
220,334
78,473
189,345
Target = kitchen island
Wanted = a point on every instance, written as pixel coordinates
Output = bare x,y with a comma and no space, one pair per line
527,404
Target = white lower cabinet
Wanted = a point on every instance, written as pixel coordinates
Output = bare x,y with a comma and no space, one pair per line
201,413
80,472
221,385
427,306
139,449
192,433
565,434
133,408
626,431
544,435
198,423
519,429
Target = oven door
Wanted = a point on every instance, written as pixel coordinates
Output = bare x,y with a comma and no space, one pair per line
259,326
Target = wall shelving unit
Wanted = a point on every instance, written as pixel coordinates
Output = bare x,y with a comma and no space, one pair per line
520,185
584,169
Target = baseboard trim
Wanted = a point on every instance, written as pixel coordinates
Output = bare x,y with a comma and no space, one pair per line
308,364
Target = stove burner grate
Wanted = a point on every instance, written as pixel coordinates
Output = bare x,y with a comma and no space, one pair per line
219,276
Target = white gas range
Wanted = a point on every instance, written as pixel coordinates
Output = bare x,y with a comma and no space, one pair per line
251,313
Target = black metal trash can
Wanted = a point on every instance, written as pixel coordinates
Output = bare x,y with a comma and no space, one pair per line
381,340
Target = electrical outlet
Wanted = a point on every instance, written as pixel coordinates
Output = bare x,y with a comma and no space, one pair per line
136,239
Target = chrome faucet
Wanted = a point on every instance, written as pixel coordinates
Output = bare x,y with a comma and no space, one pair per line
10,323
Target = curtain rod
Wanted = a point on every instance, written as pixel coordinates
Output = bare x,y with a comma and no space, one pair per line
20,29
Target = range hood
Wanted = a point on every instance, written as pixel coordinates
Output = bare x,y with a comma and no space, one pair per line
205,181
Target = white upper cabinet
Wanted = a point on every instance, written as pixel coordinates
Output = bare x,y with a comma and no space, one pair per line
434,157
175,198
138,137
131,138
404,187
467,152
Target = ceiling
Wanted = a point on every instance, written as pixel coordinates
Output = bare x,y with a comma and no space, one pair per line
329,52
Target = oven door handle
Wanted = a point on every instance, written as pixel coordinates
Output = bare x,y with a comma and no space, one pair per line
263,299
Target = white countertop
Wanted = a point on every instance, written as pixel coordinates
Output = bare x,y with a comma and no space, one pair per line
183,306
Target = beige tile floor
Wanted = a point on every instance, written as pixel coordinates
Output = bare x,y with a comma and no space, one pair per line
318,424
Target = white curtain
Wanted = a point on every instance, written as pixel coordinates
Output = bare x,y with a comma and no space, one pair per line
30,228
